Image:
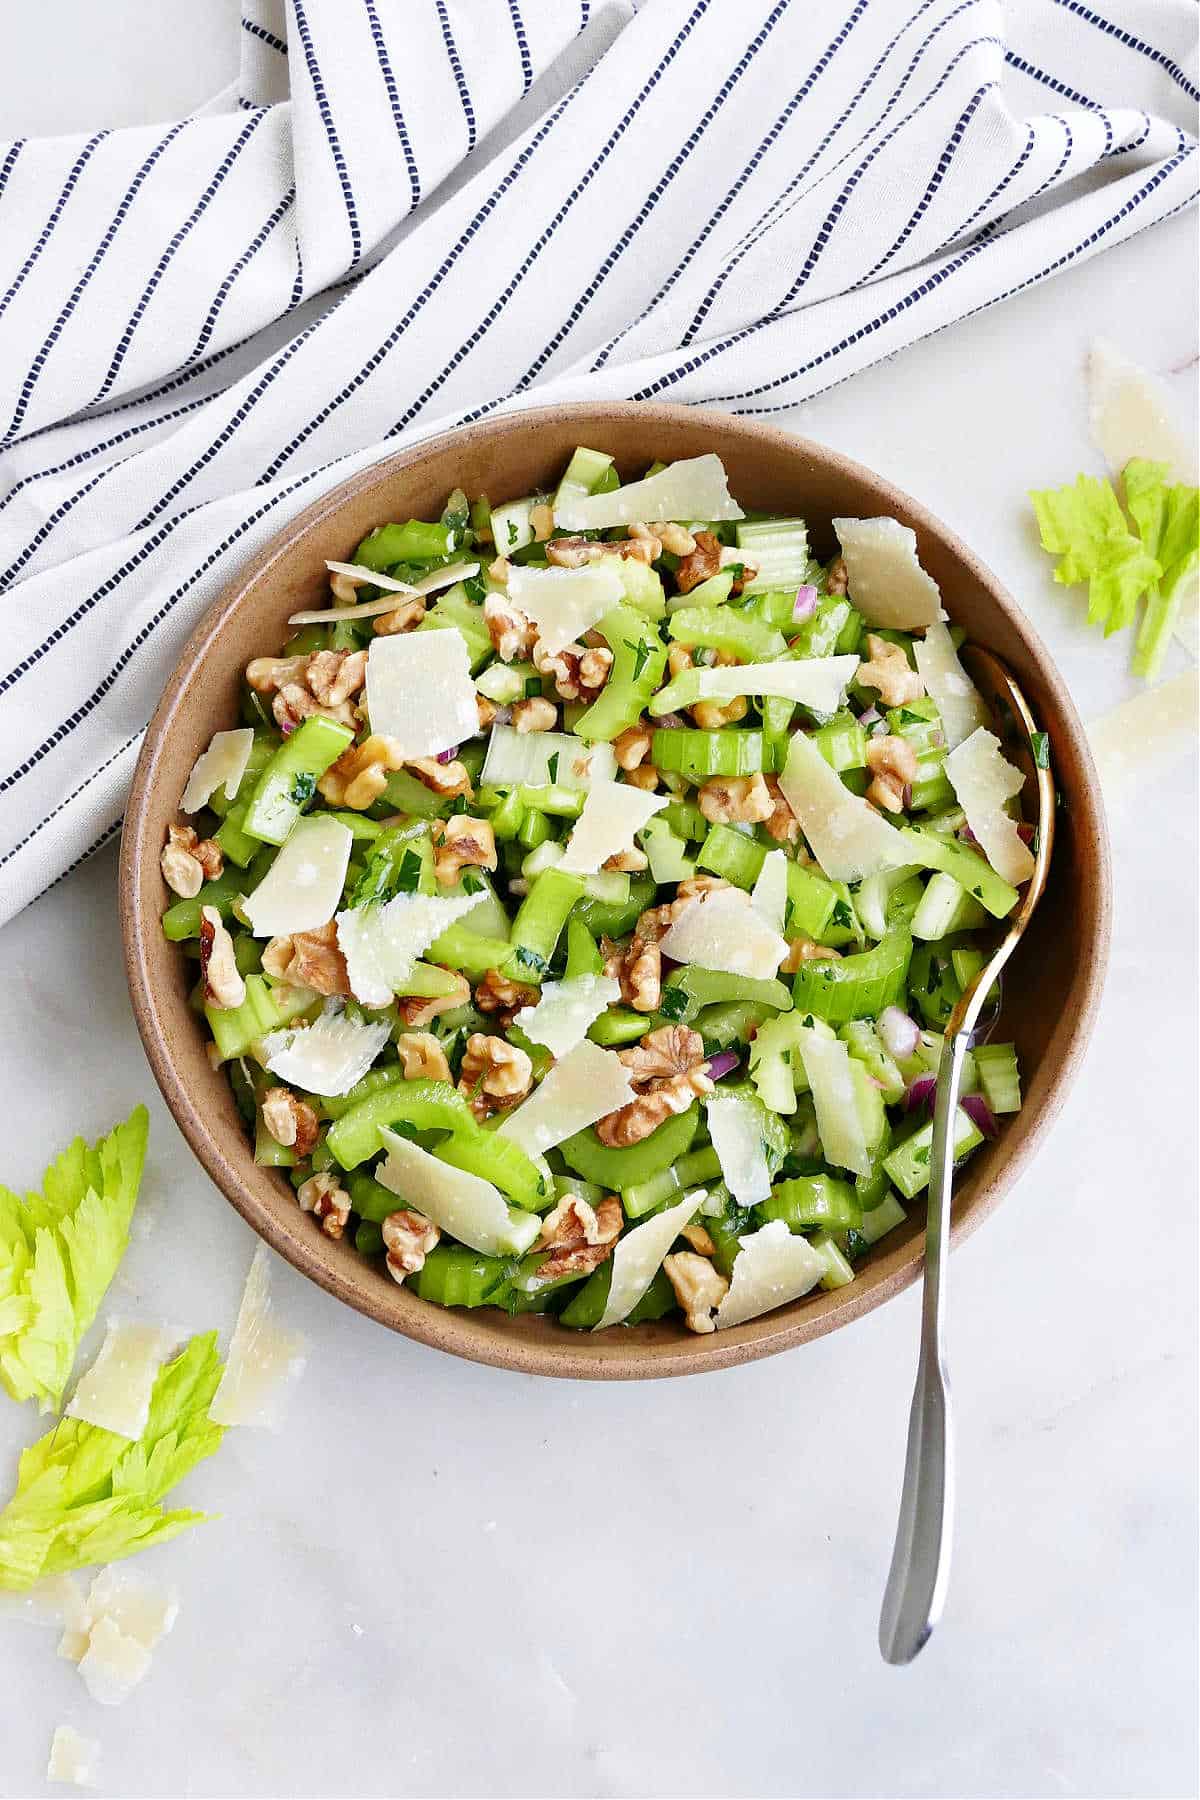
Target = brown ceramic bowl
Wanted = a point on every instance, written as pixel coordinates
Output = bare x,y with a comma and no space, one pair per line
1050,995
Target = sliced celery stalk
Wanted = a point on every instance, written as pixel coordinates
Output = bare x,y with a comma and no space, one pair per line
908,1163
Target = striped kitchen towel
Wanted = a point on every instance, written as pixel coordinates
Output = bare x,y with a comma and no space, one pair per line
414,212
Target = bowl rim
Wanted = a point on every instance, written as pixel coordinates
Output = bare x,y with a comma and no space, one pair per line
450,1329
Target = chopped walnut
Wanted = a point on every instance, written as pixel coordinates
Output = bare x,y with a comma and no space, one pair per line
461,842
732,557
267,674
333,676
344,588
803,950
667,1070
579,673
423,1057
632,747
408,1237
676,539
893,763
536,714
327,1200
736,800
497,994
678,659
223,984
639,971
574,552
486,711
837,581
404,617
498,569
699,1288
579,1237
413,1012
188,861
512,634
541,522
658,920
627,862
698,1239
700,564
699,887
449,780
781,823
309,959
711,717
646,778
494,1074
359,775
887,669
649,540
290,1120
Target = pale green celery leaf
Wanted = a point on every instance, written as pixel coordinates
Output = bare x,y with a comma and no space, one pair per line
1168,517
59,1250
1083,526
86,1495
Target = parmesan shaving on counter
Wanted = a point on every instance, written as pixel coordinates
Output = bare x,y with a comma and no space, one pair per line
115,1392
1154,727
583,1087
420,692
564,603
125,1616
1132,413
222,765
265,1358
612,816
886,582
695,488
74,1759
983,781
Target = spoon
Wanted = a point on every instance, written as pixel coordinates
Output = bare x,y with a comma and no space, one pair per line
920,1571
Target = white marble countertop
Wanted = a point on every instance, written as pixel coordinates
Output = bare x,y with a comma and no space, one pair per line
444,1580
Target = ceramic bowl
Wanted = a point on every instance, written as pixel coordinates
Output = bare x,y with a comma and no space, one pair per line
1051,990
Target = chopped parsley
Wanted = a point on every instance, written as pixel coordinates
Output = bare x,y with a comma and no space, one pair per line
474,589
842,915
1039,743
408,876
641,655
529,959
533,687
303,787
458,804
552,767
978,892
471,884
513,533
673,1004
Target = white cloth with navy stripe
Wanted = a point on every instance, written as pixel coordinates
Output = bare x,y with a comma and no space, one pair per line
413,212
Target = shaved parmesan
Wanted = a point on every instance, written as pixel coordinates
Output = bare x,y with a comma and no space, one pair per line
1155,726
54,1600
695,488
736,1134
815,681
74,1759
382,943
140,1607
301,889
566,1011
848,837
959,701
420,692
639,1256
370,609
222,765
564,603
467,1206
585,1086
886,582
830,1076
115,1392
983,779
1132,413
265,1358
516,759
769,894
772,1267
612,816
326,1057
724,932
113,1663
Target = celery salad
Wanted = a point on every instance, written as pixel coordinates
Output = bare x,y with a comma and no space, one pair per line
579,904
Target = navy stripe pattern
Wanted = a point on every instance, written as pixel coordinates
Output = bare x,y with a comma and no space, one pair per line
742,203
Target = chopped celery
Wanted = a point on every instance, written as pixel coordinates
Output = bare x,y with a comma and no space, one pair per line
369,1198
838,1272
885,899
405,794
425,1105
498,1160
685,818
811,1200
454,611
933,985
583,956
945,907
855,987
455,1276
582,475
708,593
999,1077
842,742
616,1169
726,628
699,754
584,1311
289,781
696,1169
777,550
615,921
657,1301
506,683
811,901
725,1229
730,853
415,541
469,952
706,987
730,1022
861,1037
669,861
908,1163
618,1026
929,849
881,1219
639,658
235,1028
539,923
182,920
511,527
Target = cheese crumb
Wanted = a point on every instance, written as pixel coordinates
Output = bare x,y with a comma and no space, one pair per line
74,1759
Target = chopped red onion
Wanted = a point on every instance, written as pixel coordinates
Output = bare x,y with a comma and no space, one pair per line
668,722
723,1063
880,728
669,966
805,603
980,1114
1025,832
870,717
920,1093
966,836
448,756
900,1034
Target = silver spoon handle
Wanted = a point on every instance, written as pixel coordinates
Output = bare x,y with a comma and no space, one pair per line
920,1571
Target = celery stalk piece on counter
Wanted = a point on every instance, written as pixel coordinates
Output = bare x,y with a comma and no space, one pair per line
85,1495
59,1250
